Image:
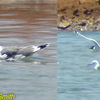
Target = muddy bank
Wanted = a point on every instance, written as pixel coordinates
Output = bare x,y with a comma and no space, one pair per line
78,16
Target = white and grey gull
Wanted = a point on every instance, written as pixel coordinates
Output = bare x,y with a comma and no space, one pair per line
13,51
95,64
96,45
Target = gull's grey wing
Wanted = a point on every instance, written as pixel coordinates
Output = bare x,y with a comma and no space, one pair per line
29,50
10,51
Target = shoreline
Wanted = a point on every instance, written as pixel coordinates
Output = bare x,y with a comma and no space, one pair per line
84,17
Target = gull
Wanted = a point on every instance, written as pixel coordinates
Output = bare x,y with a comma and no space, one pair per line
23,51
96,64
96,46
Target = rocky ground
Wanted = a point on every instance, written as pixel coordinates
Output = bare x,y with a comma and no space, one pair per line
84,16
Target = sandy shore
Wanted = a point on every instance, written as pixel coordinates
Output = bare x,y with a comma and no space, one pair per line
84,16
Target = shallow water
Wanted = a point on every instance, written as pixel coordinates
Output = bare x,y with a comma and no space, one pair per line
33,79
77,80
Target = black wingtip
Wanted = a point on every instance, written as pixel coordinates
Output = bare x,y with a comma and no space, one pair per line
93,47
43,46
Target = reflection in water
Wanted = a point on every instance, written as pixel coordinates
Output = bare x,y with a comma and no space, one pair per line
30,1
33,78
37,8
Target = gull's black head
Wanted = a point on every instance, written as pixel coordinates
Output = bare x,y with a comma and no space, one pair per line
93,47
